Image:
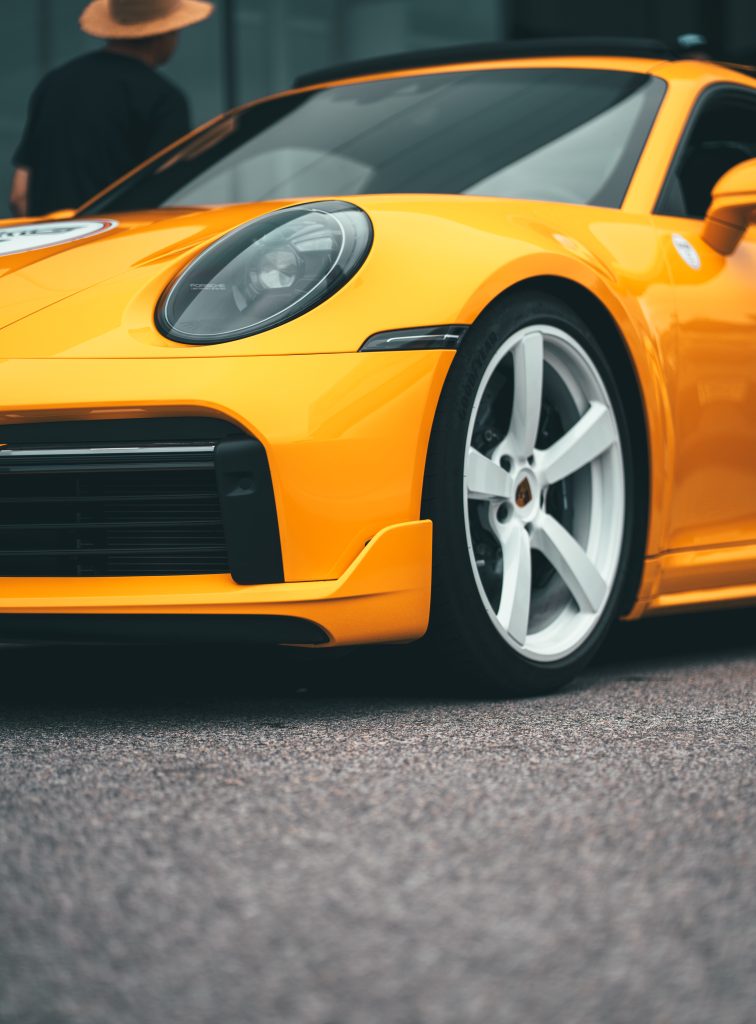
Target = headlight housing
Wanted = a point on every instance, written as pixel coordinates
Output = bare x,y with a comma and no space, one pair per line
265,273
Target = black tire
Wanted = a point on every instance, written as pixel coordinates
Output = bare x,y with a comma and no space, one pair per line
461,630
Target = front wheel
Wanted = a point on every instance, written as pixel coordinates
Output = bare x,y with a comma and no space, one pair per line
530,486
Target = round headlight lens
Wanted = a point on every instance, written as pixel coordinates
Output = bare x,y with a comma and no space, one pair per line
265,273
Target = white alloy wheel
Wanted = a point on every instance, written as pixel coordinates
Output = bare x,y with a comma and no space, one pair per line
544,493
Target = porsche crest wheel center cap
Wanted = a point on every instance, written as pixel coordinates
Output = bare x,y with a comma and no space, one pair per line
524,493
527,495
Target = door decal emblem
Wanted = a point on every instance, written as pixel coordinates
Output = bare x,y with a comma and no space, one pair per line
687,252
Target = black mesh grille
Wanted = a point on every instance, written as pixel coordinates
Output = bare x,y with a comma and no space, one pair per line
150,510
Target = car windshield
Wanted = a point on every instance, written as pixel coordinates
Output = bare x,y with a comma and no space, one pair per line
562,134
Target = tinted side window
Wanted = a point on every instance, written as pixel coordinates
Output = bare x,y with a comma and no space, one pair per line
722,134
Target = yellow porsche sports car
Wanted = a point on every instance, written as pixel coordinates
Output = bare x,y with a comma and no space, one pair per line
464,338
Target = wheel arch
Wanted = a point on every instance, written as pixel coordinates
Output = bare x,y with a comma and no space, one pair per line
604,325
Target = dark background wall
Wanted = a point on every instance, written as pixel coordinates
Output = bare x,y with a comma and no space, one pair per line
252,47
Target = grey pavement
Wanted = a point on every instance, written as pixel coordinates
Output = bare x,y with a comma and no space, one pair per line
188,837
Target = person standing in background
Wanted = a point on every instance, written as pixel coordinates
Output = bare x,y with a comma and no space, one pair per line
100,115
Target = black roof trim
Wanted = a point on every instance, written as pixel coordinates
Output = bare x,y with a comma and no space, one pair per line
473,52
744,69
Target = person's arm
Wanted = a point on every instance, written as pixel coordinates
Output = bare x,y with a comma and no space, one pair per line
19,194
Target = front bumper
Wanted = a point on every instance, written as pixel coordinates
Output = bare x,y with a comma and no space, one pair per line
346,438
384,596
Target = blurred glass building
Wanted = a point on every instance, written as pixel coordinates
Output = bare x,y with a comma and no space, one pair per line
253,47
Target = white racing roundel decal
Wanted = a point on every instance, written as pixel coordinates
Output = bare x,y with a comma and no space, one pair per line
26,237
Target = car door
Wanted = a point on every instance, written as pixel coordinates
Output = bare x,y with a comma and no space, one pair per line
713,385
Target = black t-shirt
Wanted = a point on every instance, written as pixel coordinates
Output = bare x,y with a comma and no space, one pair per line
91,121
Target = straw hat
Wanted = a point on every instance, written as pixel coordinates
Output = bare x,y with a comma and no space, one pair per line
138,19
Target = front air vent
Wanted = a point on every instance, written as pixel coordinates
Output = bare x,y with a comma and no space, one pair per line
151,510
161,497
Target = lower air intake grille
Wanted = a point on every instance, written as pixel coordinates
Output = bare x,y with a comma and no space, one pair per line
141,510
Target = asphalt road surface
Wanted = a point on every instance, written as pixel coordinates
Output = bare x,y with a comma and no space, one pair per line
188,837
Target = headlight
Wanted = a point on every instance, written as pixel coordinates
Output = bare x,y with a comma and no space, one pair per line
265,273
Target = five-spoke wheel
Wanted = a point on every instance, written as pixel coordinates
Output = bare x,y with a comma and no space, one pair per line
541,376
544,495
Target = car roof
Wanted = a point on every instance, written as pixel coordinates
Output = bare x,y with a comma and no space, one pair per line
485,52
639,55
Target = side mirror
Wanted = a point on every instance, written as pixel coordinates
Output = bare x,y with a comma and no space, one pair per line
732,209
68,214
